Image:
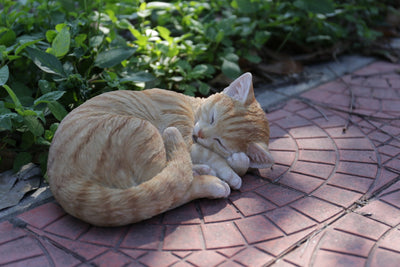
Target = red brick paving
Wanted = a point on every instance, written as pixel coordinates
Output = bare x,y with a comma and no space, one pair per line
332,199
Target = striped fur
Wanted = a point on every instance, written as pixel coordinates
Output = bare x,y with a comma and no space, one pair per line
126,156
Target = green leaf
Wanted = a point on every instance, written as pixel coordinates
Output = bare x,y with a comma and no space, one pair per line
4,74
199,71
21,159
50,35
34,125
5,118
316,6
204,88
49,97
17,103
61,42
230,69
25,44
112,57
141,76
57,110
44,86
165,33
7,36
45,61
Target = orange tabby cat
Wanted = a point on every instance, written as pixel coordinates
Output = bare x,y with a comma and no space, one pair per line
126,156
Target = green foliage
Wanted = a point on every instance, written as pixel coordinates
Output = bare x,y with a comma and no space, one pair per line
54,55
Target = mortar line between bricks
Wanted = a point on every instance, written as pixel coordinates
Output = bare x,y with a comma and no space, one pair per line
343,253
21,260
45,251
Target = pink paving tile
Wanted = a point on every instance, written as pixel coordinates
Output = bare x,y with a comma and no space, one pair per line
333,259
391,240
280,245
338,196
19,249
43,215
382,212
316,143
385,178
389,150
278,114
158,259
391,105
253,257
133,253
301,182
309,113
319,170
283,157
186,214
251,182
366,156
143,236
59,256
277,132
258,228
346,243
182,254
289,220
85,250
358,169
205,258
378,136
104,235
218,210
359,225
182,264
278,195
354,144
230,263
333,121
392,198
250,203
282,144
327,157
183,237
317,95
307,132
384,93
391,188
68,226
354,183
222,235
40,261
111,258
367,103
317,209
292,122
394,164
8,232
229,252
295,105
391,129
383,257
273,173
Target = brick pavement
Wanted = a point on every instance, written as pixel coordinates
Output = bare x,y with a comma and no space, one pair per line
332,198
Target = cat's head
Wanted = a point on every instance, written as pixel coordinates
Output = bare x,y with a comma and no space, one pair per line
233,121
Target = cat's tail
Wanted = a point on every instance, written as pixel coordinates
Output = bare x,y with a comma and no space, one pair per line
105,206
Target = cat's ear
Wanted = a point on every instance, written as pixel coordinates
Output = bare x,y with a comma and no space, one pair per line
241,89
259,156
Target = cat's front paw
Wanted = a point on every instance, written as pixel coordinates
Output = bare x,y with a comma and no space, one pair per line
202,169
239,162
229,176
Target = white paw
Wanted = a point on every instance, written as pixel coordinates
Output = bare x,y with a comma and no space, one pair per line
239,162
229,176
220,189
202,169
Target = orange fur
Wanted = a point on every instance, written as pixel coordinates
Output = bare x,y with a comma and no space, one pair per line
126,156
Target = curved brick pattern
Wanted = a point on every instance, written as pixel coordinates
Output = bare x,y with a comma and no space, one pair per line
331,199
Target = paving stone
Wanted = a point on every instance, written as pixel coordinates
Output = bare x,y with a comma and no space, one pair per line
222,235
186,214
68,226
278,195
43,215
384,257
205,258
333,259
282,144
229,252
182,254
391,240
319,170
382,212
274,173
338,196
301,182
111,258
354,144
104,235
392,198
278,114
59,256
292,122
394,163
346,243
133,253
253,257
143,236
218,210
367,156
40,261
230,264
333,121
354,183
317,156
316,143
316,209
389,150
19,249
358,169
251,182
307,132
159,259
289,220
8,232
182,237
258,228
283,157
250,203
362,226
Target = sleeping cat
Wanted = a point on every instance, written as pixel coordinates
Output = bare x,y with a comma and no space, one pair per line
126,156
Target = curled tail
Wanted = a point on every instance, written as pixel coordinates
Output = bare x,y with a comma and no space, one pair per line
105,206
